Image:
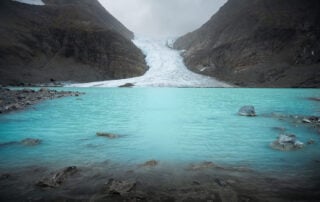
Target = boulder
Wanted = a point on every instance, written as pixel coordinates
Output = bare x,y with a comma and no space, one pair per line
247,111
127,85
58,178
30,142
108,135
120,187
287,143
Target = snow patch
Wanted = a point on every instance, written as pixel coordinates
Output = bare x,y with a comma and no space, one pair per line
166,69
31,2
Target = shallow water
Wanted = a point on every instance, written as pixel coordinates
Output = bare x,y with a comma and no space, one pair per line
175,126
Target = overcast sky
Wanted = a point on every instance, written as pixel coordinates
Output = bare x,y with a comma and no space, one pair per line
162,17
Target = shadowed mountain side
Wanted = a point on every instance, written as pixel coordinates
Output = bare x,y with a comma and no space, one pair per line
65,40
258,43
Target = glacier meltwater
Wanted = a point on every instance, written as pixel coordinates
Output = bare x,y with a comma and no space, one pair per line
175,126
166,69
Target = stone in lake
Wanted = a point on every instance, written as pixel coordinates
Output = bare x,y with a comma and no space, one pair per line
151,163
247,111
287,143
58,178
120,187
30,142
108,135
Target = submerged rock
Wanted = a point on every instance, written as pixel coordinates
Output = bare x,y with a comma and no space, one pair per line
287,143
315,99
151,163
58,178
108,135
247,111
8,143
120,187
30,142
211,165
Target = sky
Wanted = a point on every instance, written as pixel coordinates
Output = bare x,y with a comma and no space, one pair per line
162,18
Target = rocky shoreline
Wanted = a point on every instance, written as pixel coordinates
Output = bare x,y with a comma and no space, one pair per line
13,100
152,182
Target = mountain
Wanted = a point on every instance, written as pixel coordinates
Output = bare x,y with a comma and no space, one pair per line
258,43
64,40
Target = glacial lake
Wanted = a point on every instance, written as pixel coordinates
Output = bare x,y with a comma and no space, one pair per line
175,126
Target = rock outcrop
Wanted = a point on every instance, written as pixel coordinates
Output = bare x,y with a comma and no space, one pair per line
58,178
64,40
260,43
13,100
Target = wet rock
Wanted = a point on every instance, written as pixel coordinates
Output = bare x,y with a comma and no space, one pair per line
58,178
120,187
108,135
30,142
151,163
247,111
287,143
127,85
311,142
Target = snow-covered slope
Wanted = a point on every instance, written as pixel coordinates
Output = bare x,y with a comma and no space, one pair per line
166,69
32,2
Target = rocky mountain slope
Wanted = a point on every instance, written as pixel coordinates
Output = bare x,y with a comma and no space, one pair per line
64,40
258,43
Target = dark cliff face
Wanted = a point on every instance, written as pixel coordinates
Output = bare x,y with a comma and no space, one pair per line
65,40
258,43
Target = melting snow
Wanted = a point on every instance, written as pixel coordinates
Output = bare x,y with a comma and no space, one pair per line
31,2
166,69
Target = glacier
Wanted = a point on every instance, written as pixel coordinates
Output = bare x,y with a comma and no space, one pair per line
166,69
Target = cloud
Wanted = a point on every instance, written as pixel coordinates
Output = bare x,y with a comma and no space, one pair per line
162,17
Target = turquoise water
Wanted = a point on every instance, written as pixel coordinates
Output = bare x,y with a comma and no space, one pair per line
172,125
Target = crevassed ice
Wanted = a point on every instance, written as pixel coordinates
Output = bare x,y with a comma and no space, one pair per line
166,69
31,2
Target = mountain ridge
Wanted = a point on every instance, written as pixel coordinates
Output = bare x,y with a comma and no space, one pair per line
258,43
75,40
